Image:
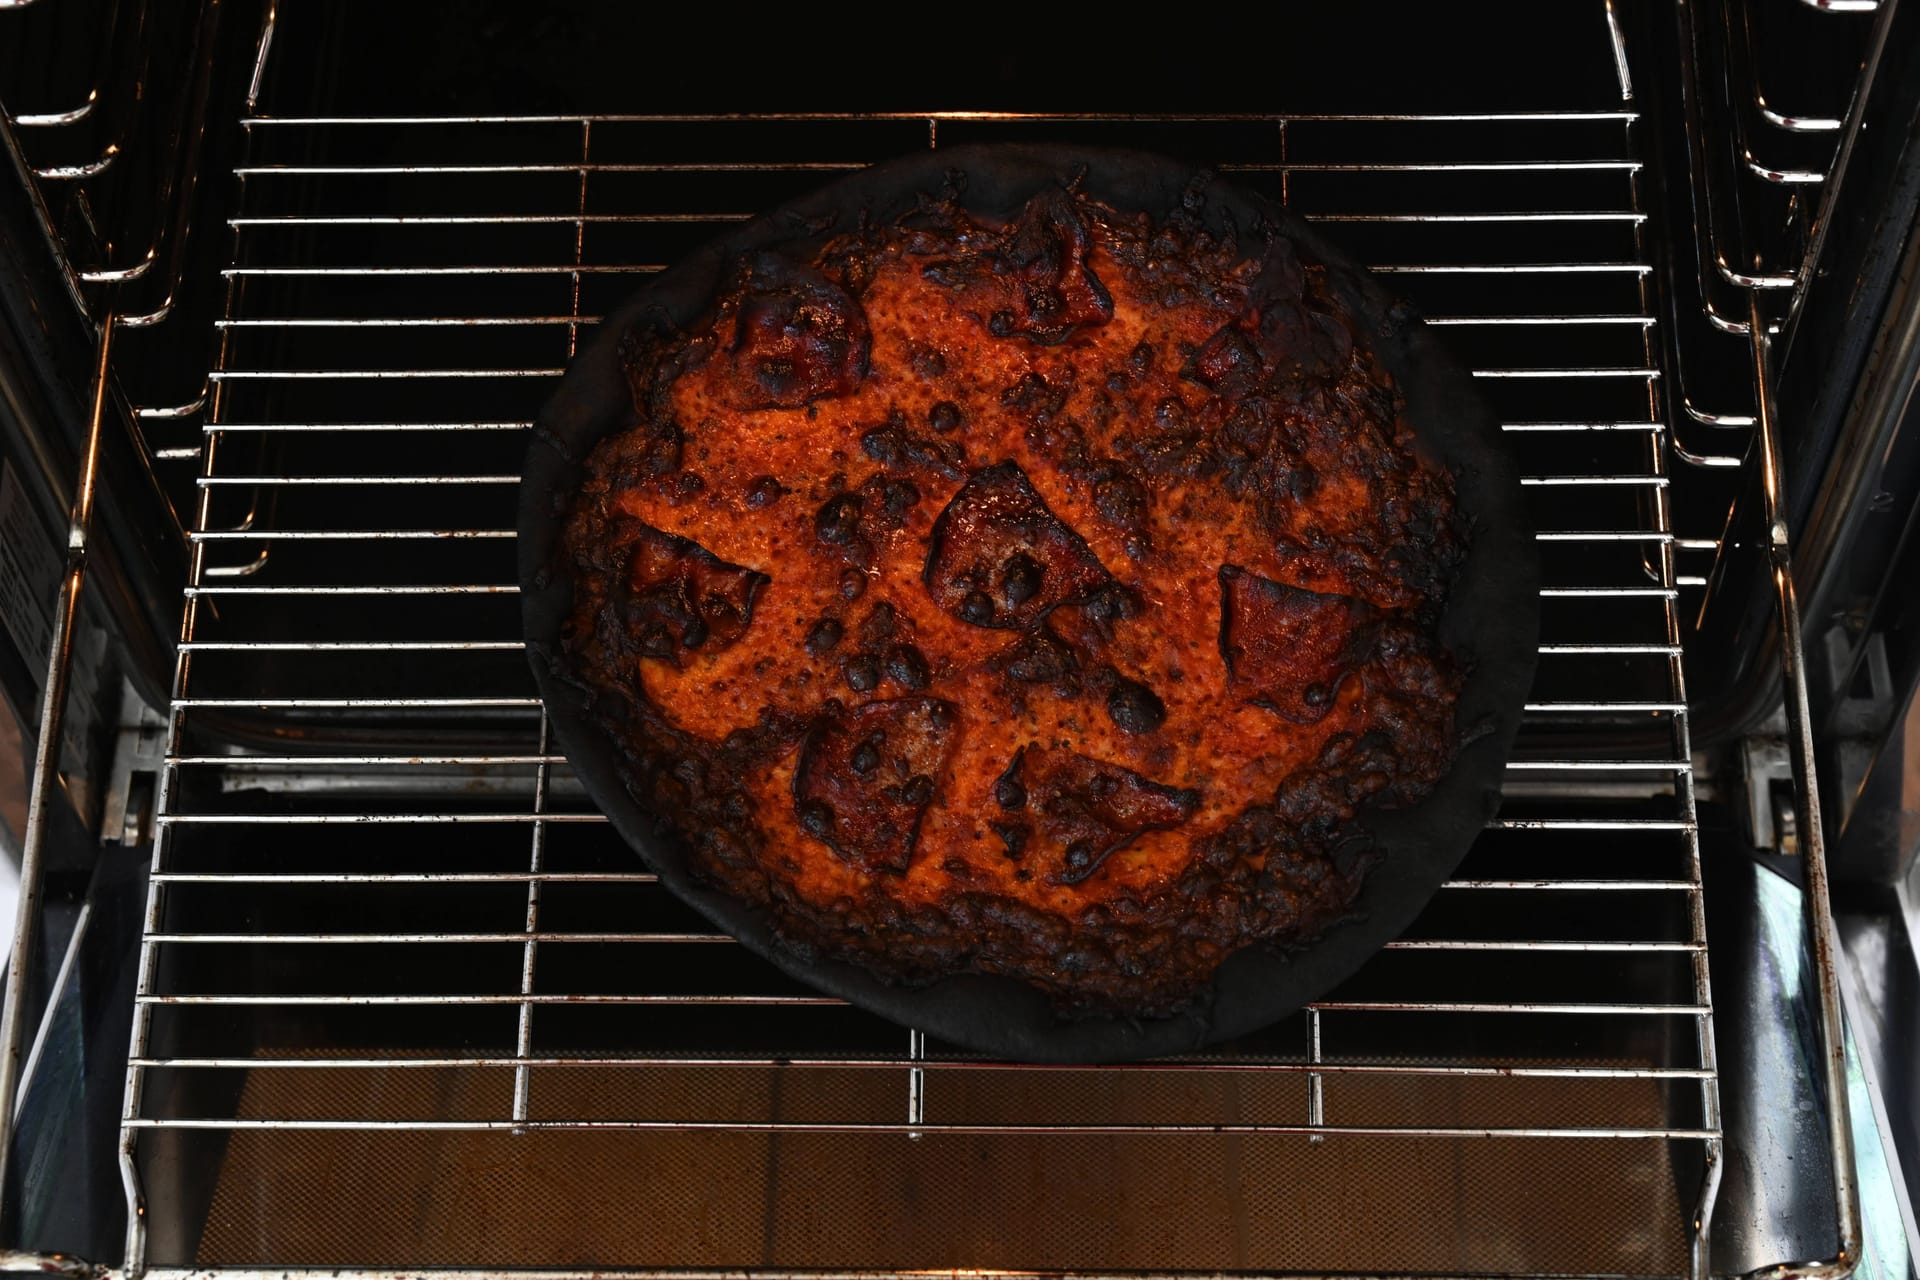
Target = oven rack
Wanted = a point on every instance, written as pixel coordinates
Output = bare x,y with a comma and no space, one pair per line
368,850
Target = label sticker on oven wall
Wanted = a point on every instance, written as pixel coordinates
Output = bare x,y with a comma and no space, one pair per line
29,575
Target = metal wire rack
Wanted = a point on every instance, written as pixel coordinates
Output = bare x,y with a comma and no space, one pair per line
394,958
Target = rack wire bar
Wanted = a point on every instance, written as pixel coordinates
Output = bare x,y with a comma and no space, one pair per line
480,928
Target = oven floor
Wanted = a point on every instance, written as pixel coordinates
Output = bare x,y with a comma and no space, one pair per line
423,1198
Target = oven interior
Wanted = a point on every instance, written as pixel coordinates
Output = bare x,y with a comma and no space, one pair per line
397,998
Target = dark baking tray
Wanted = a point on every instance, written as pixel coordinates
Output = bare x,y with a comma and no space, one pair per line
1491,621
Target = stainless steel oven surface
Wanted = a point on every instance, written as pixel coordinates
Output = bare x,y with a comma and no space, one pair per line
325,963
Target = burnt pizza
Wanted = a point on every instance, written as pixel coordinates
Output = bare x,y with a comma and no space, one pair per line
1037,594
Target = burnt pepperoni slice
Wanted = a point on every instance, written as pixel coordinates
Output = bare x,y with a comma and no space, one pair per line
866,777
1001,558
798,337
1074,810
1288,648
1229,362
676,597
1054,291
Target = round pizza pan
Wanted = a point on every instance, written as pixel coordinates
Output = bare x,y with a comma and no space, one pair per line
1490,624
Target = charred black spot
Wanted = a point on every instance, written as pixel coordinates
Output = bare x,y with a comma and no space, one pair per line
945,416
823,636
907,668
1120,499
816,819
879,626
1055,290
1020,579
894,444
764,492
1228,363
838,520
1013,839
897,497
1008,791
861,673
882,444
1110,604
1040,659
1134,708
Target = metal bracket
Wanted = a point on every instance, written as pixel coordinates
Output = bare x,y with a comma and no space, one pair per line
139,749
1766,770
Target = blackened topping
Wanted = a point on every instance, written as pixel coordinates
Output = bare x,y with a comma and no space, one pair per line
882,444
902,747
823,636
853,584
798,337
1110,604
1008,791
1289,649
997,516
1042,659
1036,398
907,668
764,492
1140,360
1228,362
1086,809
945,416
897,497
1120,499
837,522
1020,579
1054,291
861,673
1134,708
1078,862
879,626
852,523
1013,838
895,445
677,597
816,819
